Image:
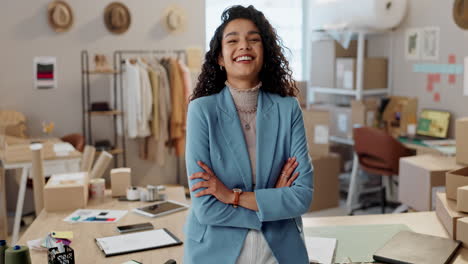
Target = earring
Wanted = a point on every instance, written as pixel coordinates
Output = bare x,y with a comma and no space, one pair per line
221,67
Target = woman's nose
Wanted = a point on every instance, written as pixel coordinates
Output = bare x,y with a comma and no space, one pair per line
245,45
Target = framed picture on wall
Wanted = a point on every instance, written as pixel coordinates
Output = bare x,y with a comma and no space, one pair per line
45,72
412,44
430,43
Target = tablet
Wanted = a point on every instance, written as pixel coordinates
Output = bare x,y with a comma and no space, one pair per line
160,209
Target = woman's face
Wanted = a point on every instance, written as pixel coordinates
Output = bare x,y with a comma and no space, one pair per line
242,50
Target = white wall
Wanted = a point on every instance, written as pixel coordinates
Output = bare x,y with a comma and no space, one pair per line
25,34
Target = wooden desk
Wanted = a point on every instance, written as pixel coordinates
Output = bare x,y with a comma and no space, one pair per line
52,164
421,150
86,250
422,222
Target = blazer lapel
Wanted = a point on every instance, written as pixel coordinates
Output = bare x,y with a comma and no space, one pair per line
231,129
267,132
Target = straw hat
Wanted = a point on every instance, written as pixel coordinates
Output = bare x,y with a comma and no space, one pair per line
60,16
460,17
117,18
175,19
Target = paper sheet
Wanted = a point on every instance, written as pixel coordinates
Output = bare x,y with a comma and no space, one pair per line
95,216
321,134
320,250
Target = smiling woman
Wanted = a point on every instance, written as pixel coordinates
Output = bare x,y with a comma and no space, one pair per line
247,159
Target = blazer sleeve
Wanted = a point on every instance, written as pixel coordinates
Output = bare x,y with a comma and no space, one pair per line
289,202
207,209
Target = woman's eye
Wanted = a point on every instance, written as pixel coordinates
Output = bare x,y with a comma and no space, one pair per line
255,40
232,41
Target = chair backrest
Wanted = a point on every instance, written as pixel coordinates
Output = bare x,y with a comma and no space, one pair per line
88,158
378,152
77,141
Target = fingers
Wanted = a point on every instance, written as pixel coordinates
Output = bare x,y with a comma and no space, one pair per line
198,185
292,179
288,164
200,175
205,167
292,168
203,192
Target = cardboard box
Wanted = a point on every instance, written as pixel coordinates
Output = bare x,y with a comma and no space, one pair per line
365,112
417,176
454,179
326,183
462,231
375,73
324,53
461,138
67,191
302,96
447,214
317,128
121,179
399,113
462,199
340,119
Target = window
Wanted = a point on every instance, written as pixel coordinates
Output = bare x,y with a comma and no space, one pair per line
285,16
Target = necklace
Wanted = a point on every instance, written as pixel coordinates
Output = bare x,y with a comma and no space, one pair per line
247,122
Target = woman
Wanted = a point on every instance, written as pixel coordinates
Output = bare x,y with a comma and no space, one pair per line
245,138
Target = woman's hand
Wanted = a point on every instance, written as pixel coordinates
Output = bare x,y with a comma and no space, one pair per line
285,179
212,184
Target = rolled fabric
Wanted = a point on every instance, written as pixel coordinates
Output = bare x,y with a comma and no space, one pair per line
37,173
88,158
101,165
17,255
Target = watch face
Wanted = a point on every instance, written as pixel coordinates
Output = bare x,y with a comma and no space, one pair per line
237,190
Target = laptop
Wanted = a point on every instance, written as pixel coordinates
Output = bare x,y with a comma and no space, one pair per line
432,125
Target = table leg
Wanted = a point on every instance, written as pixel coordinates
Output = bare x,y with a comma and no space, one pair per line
3,207
19,205
353,195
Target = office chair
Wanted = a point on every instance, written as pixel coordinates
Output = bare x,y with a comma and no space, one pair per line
379,153
76,140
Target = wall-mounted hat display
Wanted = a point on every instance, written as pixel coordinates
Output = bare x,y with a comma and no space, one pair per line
117,18
460,13
60,16
175,19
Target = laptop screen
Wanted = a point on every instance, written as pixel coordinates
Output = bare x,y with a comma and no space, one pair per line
433,123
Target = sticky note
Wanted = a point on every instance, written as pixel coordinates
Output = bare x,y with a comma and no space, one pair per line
430,87
452,79
62,234
436,97
452,59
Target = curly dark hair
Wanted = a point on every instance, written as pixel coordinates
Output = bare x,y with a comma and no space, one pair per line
275,74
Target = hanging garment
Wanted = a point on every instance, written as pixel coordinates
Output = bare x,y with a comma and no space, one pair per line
146,106
158,147
187,78
154,80
177,129
131,97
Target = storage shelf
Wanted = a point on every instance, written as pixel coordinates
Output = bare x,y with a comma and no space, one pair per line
105,113
341,91
346,141
101,72
113,151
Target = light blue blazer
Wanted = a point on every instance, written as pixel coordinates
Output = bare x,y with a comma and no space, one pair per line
215,232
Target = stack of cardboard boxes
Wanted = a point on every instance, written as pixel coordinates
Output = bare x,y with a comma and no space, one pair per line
326,165
452,206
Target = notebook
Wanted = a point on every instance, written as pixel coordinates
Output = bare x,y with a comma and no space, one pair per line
134,242
410,247
320,249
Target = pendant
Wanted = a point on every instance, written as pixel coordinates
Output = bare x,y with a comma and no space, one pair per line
247,126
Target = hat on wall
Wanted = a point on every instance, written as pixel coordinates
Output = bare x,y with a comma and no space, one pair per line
117,18
459,14
175,19
60,16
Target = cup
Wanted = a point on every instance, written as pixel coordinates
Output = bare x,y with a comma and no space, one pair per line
97,188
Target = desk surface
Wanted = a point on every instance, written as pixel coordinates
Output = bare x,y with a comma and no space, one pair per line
422,222
83,243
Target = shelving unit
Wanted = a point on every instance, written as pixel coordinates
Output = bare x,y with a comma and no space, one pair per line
358,94
118,141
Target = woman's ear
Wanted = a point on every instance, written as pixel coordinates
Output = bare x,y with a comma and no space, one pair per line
220,60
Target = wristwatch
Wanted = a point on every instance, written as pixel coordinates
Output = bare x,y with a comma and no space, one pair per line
237,193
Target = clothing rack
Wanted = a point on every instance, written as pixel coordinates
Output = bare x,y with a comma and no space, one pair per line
119,59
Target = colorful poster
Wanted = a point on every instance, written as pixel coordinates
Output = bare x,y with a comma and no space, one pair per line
412,44
430,43
45,72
